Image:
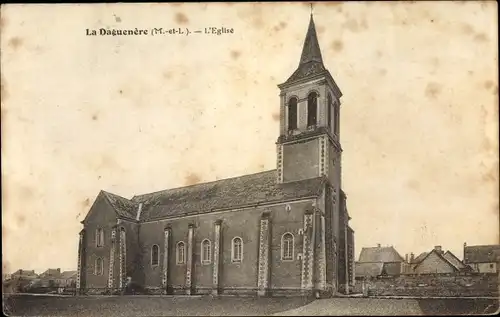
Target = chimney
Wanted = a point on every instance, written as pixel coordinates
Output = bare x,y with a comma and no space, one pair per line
412,257
438,249
378,245
406,257
464,259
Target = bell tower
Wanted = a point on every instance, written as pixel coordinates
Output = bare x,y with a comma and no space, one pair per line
309,142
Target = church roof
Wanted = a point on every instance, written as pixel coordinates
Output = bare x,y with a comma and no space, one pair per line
236,192
123,206
311,61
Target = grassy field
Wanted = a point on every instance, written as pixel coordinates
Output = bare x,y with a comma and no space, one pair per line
242,306
150,306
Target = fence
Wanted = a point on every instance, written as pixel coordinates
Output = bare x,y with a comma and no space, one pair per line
423,285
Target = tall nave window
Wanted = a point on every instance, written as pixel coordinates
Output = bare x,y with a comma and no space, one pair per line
99,266
155,255
287,247
180,253
99,237
237,250
205,252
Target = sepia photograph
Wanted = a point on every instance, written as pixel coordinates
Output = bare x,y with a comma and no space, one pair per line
250,158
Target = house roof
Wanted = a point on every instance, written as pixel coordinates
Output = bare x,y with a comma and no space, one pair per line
25,272
482,254
440,255
68,274
368,268
420,257
236,192
51,272
454,260
380,254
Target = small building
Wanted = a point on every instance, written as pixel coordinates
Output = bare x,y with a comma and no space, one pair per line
67,279
49,277
24,274
436,261
375,261
482,258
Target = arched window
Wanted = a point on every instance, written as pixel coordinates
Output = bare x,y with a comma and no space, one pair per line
330,106
99,237
99,266
237,249
287,247
312,108
292,114
180,253
155,255
206,253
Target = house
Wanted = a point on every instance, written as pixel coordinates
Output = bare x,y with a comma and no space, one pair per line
482,258
24,274
20,279
67,279
282,231
49,277
375,261
436,261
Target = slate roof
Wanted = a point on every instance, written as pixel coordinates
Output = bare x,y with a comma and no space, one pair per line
123,206
311,60
368,269
454,260
420,257
51,273
482,254
380,254
68,274
248,190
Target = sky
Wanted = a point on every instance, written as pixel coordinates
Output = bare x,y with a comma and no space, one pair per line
137,114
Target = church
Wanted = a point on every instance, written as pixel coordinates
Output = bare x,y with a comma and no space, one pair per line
283,232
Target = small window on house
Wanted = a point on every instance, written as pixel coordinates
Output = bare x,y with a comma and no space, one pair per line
491,265
292,114
237,249
287,247
155,255
99,237
180,253
312,108
99,265
206,251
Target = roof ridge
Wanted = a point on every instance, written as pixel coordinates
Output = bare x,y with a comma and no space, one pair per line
113,194
204,183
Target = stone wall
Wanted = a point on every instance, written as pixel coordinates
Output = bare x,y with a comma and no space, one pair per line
462,284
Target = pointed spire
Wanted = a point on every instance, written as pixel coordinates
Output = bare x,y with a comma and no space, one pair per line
311,51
